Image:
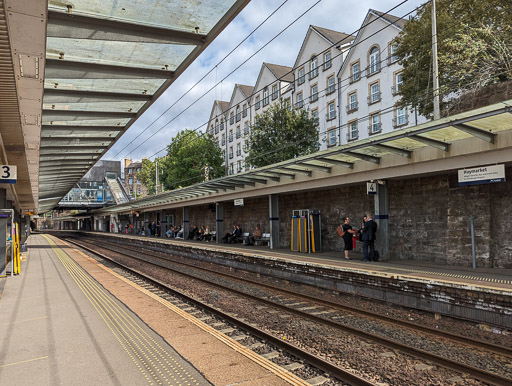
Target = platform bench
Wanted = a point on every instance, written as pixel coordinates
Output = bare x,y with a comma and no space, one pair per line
265,239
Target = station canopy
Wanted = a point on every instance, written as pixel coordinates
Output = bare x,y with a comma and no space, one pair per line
107,61
485,124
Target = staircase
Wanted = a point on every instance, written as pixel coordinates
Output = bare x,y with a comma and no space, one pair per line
118,191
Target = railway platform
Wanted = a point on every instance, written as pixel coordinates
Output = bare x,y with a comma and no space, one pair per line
69,320
480,295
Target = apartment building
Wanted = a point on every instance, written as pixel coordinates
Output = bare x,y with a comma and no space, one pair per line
369,81
131,183
217,122
320,56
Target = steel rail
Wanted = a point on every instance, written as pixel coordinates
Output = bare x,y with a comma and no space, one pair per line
338,372
480,374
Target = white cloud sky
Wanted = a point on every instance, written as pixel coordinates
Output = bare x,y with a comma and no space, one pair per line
344,16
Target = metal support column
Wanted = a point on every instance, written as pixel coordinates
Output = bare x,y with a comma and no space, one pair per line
219,221
273,206
186,222
381,217
3,230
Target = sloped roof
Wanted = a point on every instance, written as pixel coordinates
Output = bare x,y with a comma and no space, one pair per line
247,90
398,21
334,36
223,105
283,73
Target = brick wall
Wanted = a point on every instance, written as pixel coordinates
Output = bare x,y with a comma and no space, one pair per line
254,212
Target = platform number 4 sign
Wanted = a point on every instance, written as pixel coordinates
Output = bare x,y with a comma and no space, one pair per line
8,174
371,188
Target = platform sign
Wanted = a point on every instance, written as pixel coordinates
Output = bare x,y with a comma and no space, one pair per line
239,202
371,188
8,174
482,175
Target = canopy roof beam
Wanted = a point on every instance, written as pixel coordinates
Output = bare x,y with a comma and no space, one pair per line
394,150
364,157
331,161
75,26
431,142
89,113
479,133
98,95
298,171
72,69
253,179
325,169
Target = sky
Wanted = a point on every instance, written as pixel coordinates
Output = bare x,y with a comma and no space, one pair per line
146,136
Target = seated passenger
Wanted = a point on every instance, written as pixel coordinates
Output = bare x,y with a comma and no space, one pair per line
249,240
207,234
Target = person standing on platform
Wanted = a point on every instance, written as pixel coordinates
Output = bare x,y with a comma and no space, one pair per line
347,236
369,231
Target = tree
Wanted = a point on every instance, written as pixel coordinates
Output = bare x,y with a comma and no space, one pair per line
191,156
147,174
474,50
281,133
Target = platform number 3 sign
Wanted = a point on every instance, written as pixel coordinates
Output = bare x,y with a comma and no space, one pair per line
371,188
8,174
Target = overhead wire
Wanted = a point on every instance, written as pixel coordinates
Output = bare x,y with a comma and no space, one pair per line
300,65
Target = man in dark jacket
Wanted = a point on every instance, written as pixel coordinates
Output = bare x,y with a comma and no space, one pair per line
369,231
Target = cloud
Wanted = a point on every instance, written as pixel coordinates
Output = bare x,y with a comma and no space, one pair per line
345,16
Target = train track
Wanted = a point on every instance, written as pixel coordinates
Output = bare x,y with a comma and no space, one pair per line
475,372
142,279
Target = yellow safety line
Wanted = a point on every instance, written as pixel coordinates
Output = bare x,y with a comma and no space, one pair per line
277,370
25,320
109,311
22,362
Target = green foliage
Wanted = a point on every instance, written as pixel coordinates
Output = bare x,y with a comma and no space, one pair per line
474,49
147,174
281,133
189,155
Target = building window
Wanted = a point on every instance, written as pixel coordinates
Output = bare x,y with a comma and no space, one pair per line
398,80
301,78
232,118
238,132
352,102
238,148
231,168
374,124
230,136
223,139
216,126
257,102
314,115
238,166
244,110
265,96
274,92
238,115
314,93
327,60
246,128
130,170
374,90
314,67
231,152
331,137
374,60
401,117
222,123
300,101
246,146
130,181
138,170
352,133
393,47
355,72
330,84
331,111
287,103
